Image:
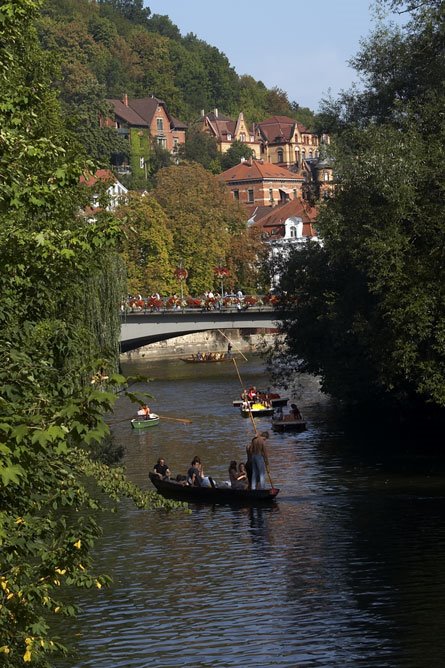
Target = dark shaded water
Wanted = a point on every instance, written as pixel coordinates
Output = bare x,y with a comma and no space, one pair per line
348,569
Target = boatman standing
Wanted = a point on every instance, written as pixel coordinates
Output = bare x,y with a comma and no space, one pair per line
259,460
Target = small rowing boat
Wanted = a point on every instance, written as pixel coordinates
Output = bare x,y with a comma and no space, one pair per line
215,495
288,424
145,422
256,410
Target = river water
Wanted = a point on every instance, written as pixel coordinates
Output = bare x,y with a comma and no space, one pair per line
346,569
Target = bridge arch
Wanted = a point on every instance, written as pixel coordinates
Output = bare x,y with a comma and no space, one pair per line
141,329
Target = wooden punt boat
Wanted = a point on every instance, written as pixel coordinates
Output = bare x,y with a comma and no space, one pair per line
215,495
272,398
288,425
256,410
145,423
206,360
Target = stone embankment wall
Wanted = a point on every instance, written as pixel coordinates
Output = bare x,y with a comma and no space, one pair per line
247,341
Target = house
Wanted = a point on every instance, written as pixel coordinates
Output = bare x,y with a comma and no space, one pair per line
141,121
255,182
284,227
226,131
287,143
104,185
279,139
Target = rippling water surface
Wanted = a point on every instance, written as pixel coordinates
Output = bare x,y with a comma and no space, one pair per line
347,569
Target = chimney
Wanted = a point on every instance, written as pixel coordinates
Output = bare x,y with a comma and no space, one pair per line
215,111
125,99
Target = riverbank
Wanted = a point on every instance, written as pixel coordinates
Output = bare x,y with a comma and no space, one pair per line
245,341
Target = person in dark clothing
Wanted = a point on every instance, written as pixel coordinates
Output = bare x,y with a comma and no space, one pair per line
195,474
161,469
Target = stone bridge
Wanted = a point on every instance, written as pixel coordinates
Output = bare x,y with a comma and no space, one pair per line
145,327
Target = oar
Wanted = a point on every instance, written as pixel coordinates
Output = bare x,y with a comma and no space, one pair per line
183,420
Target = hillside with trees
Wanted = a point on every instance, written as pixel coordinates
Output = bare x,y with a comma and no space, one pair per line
111,47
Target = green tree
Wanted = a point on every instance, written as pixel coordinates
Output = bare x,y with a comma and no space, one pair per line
233,155
202,148
61,282
147,246
202,220
369,315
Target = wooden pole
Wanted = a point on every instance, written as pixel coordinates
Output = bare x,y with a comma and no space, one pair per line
237,349
252,419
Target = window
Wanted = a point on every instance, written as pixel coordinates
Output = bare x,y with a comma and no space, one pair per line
242,136
162,142
280,155
141,163
175,144
229,137
250,195
159,124
270,195
235,194
295,193
293,232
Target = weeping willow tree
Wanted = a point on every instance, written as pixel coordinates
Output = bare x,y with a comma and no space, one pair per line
60,287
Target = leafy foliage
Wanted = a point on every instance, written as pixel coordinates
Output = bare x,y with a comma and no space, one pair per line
147,246
61,285
202,221
237,150
368,308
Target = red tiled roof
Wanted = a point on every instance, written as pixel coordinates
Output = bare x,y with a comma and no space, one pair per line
104,175
146,107
140,111
257,170
280,128
273,222
127,113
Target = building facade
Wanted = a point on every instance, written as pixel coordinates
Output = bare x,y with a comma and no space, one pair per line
141,121
258,183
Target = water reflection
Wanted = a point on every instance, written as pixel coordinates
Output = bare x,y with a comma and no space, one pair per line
345,569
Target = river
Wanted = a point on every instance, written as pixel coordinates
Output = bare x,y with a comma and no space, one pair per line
347,569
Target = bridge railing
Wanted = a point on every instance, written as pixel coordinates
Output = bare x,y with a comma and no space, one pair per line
191,305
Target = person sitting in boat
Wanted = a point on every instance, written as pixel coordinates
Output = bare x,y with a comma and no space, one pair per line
195,473
294,412
233,473
144,411
196,476
161,469
252,394
241,477
278,413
